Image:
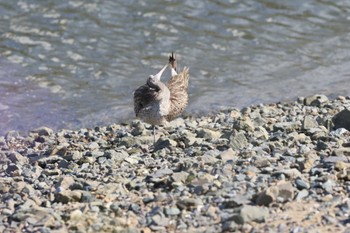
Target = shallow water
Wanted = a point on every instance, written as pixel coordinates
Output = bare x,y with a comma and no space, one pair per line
71,64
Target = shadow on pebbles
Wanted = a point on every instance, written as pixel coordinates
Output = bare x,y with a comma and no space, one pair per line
268,168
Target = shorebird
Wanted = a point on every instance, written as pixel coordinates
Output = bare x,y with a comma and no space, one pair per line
157,103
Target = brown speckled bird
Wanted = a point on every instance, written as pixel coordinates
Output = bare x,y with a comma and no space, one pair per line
157,103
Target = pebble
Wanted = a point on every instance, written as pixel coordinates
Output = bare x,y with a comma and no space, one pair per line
291,173
132,160
261,133
209,159
16,157
189,203
180,176
286,126
249,213
316,100
117,156
309,123
238,141
11,135
231,171
65,183
43,131
302,194
285,192
302,184
229,155
335,159
208,134
164,143
172,211
328,186
66,196
342,152
268,196
162,172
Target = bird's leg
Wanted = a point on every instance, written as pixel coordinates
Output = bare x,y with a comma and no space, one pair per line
154,135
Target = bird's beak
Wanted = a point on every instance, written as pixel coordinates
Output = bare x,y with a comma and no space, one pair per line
157,76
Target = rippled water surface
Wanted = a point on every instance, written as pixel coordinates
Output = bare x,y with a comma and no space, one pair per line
71,63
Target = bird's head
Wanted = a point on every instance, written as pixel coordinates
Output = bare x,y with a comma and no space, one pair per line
154,79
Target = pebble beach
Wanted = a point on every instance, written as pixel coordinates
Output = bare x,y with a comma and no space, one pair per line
281,167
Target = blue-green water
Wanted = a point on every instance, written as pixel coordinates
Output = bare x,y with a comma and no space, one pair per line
71,63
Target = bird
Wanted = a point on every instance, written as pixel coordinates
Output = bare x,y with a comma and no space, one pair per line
158,103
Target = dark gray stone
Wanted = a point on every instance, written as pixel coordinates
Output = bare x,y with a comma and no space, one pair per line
164,143
43,131
230,226
49,160
321,145
342,119
74,156
302,184
235,201
16,157
138,129
268,196
14,170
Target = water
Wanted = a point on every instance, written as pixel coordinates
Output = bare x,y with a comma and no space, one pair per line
72,64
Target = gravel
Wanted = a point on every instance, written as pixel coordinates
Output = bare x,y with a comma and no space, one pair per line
280,167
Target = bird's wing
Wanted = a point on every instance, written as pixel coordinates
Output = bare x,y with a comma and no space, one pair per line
178,85
143,96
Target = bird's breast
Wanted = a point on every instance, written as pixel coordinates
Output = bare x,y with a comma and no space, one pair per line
155,113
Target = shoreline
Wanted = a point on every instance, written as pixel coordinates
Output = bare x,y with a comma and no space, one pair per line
280,167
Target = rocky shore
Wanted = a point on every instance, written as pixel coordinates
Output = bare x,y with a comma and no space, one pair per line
268,168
